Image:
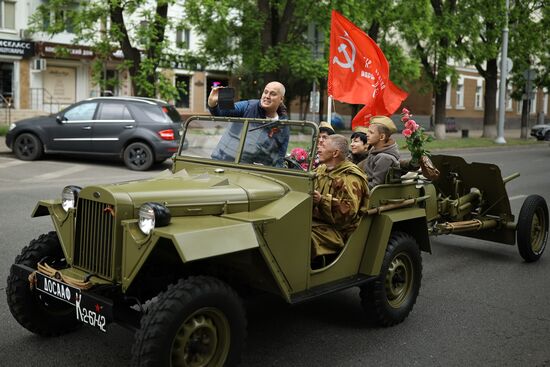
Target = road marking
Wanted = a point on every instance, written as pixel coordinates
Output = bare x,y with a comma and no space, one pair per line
56,174
517,197
12,163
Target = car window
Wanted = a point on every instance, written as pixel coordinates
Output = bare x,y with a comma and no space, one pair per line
84,111
153,113
172,113
113,111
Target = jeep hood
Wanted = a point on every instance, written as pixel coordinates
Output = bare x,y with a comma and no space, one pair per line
182,188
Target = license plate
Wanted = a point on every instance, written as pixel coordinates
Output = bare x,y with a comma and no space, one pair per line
90,309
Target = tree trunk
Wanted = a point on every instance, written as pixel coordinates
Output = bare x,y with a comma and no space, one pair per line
525,119
440,112
490,100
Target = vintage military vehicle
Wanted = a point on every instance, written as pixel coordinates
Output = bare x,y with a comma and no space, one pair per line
168,255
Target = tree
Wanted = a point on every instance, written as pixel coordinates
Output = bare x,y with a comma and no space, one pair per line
481,41
287,40
433,30
135,27
529,45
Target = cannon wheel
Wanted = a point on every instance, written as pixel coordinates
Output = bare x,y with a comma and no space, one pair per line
532,229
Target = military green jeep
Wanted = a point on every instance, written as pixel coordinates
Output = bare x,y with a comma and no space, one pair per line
167,255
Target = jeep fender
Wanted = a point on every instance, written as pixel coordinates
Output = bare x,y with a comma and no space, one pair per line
193,237
409,220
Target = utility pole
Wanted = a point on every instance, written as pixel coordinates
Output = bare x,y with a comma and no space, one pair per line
503,76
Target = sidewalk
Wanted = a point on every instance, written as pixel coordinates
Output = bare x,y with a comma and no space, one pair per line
3,147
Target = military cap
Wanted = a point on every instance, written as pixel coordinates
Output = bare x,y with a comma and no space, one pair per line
385,121
326,127
361,129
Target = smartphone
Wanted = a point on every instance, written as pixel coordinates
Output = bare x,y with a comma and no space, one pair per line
226,98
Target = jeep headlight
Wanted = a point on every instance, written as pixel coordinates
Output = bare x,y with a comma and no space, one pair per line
69,196
153,215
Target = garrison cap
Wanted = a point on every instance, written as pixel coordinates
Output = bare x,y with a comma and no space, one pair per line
384,120
326,127
361,129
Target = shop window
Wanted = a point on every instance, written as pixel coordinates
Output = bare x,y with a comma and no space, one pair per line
110,83
183,83
6,77
7,14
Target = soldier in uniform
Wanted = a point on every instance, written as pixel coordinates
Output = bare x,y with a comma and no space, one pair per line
340,198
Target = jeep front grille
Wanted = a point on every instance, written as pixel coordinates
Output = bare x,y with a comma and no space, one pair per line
93,250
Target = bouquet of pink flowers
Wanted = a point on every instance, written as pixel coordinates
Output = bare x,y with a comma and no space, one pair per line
415,136
301,156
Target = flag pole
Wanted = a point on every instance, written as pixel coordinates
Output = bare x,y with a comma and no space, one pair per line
329,110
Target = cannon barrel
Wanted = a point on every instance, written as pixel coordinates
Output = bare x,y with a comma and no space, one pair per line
510,178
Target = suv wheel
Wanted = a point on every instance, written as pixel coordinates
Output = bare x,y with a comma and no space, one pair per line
532,229
27,147
138,156
40,314
391,297
199,321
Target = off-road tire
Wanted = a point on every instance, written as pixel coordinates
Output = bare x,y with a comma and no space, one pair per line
138,156
205,306
532,228
36,312
390,298
28,147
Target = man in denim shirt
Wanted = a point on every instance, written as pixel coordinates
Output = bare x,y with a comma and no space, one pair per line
264,145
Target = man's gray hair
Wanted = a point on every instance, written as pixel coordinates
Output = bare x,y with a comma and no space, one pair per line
280,85
339,142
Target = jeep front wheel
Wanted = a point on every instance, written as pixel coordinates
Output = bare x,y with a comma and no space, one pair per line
391,296
37,313
199,321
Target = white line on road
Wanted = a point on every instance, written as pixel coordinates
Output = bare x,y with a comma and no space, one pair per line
517,197
63,172
12,163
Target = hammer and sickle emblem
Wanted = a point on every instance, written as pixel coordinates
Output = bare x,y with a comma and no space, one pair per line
343,48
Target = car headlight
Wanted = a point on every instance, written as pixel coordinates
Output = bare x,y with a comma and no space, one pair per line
153,215
69,196
12,126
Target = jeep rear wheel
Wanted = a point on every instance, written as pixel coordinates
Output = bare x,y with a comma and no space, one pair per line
37,313
391,297
199,321
532,229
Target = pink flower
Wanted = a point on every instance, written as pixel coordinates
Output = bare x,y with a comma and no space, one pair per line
405,111
407,133
405,118
411,125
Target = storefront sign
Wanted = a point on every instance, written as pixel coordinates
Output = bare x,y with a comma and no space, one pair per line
16,48
55,50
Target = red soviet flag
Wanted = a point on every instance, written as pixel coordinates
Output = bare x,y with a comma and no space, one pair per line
358,70
391,99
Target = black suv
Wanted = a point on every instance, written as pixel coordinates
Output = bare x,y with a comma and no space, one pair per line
140,131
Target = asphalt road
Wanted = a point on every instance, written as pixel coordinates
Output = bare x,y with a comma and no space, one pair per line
479,305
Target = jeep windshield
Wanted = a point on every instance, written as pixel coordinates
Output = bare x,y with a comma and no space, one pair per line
284,144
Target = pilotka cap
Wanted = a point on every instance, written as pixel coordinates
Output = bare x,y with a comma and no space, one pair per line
384,120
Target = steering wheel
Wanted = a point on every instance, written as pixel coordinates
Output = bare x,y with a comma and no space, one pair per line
292,164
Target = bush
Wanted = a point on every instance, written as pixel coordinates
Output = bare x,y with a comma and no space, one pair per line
4,129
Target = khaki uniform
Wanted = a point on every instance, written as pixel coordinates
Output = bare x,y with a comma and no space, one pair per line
344,199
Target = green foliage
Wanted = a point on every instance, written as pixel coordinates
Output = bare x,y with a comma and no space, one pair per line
138,28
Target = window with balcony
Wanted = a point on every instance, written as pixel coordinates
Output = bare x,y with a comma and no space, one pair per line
7,14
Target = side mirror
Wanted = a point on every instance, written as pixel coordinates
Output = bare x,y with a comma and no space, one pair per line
58,119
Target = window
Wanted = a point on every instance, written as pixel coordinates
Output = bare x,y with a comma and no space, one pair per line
460,94
479,95
60,17
114,111
509,98
182,38
7,14
153,113
82,112
448,95
182,83
545,101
